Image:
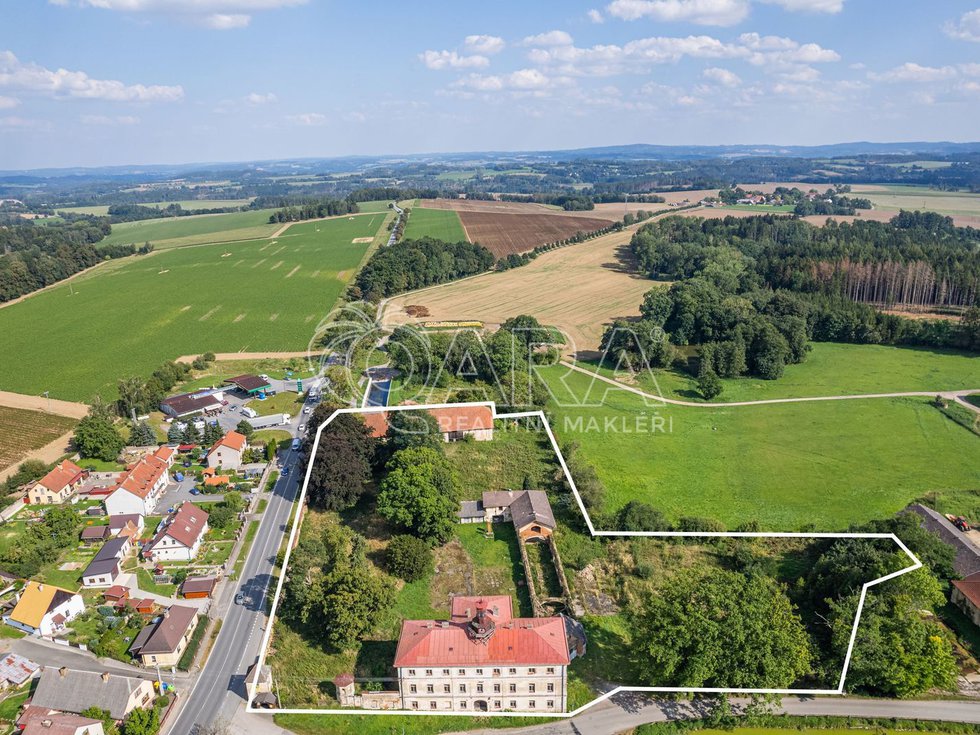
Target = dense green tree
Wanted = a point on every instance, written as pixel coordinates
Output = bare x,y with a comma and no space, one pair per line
212,433
709,385
342,465
96,437
720,629
408,557
639,516
142,435
420,492
245,429
142,722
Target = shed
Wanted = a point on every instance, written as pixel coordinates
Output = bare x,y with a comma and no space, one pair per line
196,588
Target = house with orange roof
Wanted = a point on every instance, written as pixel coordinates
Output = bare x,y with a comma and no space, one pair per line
181,537
227,452
483,659
43,609
59,485
141,486
455,422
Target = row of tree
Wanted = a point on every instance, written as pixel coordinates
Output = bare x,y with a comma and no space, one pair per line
313,209
136,212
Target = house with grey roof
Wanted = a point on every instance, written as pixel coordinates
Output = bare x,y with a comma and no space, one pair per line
163,642
73,691
528,510
104,567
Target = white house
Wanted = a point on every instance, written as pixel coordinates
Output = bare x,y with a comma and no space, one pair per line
59,485
180,539
104,567
140,487
43,609
227,451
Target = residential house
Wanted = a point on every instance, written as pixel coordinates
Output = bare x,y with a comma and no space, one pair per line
227,452
180,538
163,642
43,609
73,691
15,670
485,660
142,485
59,723
455,422
130,525
59,485
104,567
528,510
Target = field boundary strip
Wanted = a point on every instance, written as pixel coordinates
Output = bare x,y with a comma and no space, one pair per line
915,563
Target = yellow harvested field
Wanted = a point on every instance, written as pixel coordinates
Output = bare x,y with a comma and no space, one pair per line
579,289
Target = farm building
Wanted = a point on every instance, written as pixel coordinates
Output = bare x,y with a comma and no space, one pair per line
59,485
104,567
483,659
528,510
228,451
163,643
966,596
43,609
250,385
140,487
967,560
73,691
192,404
180,538
198,588
455,422
59,723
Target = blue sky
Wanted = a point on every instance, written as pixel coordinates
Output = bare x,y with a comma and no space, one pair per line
98,82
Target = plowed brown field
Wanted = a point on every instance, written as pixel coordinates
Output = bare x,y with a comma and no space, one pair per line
503,234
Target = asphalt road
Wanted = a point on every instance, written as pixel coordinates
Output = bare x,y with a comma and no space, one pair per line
220,688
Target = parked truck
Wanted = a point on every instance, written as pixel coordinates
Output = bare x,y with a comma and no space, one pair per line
264,422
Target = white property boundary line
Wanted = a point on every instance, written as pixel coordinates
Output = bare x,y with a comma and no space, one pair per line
571,482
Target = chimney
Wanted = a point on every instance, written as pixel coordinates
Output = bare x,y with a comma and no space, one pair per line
63,671
105,676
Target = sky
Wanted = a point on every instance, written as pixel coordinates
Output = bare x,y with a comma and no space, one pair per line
107,82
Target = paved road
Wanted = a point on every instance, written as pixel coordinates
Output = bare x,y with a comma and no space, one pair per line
220,689
951,395
631,710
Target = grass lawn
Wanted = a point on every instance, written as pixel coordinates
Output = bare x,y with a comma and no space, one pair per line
187,658
22,431
146,583
10,706
395,724
287,402
442,224
217,228
253,296
837,369
823,465
376,205
269,435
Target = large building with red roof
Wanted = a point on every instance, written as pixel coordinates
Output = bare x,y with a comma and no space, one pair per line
181,536
483,659
143,483
58,485
455,422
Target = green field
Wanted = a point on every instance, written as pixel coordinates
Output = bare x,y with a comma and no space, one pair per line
833,369
376,205
829,464
102,210
192,230
442,224
126,318
915,197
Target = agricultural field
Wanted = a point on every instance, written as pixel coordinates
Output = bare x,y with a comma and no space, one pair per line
578,289
376,205
442,225
23,431
257,295
503,234
101,210
821,465
834,369
895,197
169,232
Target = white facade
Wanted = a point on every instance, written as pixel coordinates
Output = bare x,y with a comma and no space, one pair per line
170,549
484,689
225,457
69,610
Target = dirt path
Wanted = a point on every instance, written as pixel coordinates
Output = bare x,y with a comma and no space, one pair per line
48,454
226,356
950,395
40,403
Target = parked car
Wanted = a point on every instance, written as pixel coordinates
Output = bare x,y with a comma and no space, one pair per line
240,598
306,410
195,491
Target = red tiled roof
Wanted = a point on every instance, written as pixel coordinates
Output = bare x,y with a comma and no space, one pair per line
65,473
57,724
232,440
198,584
186,526
116,592
140,477
970,587
523,641
453,418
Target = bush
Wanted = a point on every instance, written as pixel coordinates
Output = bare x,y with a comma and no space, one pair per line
409,557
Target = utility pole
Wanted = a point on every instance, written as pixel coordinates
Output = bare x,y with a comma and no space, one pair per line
47,395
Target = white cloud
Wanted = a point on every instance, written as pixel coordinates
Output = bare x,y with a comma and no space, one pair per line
7,103
108,120
809,6
452,60
220,15
702,12
255,98
307,118
595,16
967,28
485,45
551,38
522,80
722,76
32,77
912,72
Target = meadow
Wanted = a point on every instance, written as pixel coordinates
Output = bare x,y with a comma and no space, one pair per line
168,232
821,465
22,431
128,317
101,210
832,369
895,197
375,205
442,224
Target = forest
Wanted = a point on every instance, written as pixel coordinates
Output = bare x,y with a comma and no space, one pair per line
412,264
35,256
